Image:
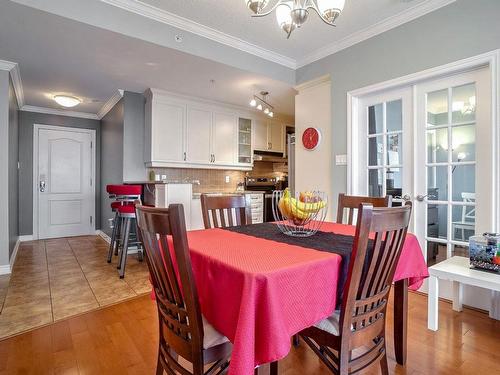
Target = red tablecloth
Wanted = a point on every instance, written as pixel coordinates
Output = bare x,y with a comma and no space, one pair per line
259,292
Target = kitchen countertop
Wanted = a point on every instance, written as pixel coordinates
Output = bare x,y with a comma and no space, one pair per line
163,182
197,195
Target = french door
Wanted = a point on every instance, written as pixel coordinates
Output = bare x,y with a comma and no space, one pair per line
419,143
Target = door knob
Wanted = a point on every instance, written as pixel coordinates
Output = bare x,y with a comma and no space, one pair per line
421,197
405,197
42,186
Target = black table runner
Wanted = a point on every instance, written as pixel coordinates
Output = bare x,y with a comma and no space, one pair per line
340,244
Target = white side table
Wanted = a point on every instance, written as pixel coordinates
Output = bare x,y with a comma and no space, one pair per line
457,269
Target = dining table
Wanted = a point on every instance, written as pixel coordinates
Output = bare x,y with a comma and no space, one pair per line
260,287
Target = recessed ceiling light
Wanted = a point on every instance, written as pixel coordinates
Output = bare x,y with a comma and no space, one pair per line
67,101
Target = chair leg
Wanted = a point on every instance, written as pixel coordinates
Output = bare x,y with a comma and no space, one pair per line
274,368
384,367
159,367
113,239
118,236
123,255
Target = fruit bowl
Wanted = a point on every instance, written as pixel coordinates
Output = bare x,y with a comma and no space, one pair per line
300,214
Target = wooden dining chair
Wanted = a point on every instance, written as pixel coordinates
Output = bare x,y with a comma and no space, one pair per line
183,330
353,338
352,202
222,208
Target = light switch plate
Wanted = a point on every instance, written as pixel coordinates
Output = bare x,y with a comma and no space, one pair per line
228,179
341,159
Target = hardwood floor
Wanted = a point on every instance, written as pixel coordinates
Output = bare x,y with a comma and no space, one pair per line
58,278
122,339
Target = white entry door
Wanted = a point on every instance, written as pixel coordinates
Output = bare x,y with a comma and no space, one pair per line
63,176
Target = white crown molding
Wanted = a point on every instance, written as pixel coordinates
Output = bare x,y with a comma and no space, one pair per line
399,19
15,75
60,112
313,83
171,19
110,104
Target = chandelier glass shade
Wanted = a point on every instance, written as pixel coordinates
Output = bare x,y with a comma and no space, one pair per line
292,14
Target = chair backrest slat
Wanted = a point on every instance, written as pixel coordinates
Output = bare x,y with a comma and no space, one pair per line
215,206
352,202
181,325
378,242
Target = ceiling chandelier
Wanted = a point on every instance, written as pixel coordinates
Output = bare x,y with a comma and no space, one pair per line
291,14
261,103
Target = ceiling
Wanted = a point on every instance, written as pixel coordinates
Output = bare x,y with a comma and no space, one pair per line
92,49
60,56
360,17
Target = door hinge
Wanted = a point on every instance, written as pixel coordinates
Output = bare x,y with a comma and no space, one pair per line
91,144
90,181
91,220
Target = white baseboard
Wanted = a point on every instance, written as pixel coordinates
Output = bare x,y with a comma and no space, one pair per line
14,253
7,268
103,235
26,238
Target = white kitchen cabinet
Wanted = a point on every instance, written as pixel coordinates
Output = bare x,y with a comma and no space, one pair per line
260,135
165,194
269,136
163,132
196,214
276,136
187,132
199,129
224,138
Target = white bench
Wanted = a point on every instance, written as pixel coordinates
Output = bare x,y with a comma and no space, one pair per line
457,269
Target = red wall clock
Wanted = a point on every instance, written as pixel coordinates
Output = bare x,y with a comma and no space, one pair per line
311,138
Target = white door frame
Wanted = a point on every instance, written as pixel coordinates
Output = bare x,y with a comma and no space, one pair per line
36,129
491,60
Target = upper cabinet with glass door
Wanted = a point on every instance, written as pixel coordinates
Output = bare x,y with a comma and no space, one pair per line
244,141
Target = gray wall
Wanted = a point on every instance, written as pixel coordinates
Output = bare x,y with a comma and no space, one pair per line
13,172
4,167
133,137
27,120
457,31
111,158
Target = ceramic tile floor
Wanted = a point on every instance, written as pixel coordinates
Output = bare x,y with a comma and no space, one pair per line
54,279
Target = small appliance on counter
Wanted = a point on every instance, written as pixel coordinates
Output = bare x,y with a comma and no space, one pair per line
484,252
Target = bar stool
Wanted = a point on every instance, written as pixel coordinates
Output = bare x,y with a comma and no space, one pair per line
122,236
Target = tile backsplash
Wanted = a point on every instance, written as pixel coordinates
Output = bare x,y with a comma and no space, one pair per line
211,180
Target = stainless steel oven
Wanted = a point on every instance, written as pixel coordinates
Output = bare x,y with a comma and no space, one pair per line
266,185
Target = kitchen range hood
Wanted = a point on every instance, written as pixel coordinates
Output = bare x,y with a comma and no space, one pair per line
274,157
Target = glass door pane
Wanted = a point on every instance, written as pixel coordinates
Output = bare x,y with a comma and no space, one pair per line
450,194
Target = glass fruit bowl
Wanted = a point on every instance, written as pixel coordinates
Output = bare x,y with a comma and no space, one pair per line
299,214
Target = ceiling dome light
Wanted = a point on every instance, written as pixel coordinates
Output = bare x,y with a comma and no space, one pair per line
67,101
253,103
256,5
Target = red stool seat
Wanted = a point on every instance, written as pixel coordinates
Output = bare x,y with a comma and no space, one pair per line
127,209
124,189
116,205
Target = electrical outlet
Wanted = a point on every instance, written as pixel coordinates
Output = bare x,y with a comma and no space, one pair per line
228,179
